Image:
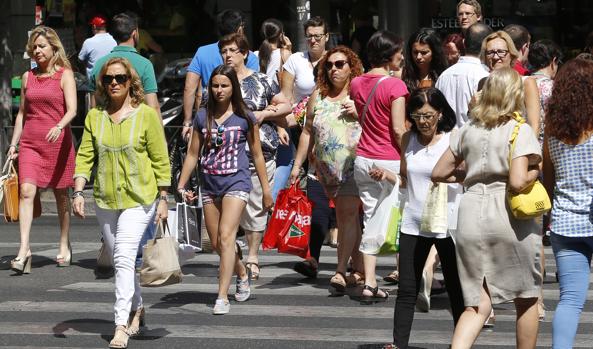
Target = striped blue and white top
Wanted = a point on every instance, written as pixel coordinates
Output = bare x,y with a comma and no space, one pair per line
572,210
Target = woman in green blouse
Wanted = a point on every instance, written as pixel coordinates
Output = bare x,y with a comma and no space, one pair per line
124,138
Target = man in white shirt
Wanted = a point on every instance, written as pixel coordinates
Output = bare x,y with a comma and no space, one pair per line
97,46
460,81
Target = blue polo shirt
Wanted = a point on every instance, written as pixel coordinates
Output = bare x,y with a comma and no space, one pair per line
142,66
208,57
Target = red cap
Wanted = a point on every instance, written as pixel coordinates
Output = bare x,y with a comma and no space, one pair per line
98,21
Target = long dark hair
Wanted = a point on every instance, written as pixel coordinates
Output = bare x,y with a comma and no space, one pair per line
438,63
271,32
239,107
435,98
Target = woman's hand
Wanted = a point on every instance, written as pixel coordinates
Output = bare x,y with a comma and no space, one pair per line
283,135
349,108
187,195
186,132
378,174
12,153
53,134
78,206
267,201
162,211
294,174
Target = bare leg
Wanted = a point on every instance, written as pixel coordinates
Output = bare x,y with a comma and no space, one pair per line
430,265
63,206
27,195
471,322
254,239
212,216
227,233
349,232
527,322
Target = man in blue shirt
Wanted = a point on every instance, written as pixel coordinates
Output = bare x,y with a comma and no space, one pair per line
97,46
205,60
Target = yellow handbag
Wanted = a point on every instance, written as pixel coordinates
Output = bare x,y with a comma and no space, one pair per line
532,201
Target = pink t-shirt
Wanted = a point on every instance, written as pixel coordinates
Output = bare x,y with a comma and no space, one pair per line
377,140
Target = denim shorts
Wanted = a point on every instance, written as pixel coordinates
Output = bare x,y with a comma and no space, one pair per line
211,199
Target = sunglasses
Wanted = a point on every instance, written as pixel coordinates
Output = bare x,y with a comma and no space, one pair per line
119,78
218,140
339,64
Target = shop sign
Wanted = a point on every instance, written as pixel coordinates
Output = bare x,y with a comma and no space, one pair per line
452,23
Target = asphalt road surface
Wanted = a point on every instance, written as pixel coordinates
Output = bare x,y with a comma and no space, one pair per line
69,308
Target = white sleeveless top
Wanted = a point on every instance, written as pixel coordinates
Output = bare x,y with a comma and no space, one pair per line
273,65
420,161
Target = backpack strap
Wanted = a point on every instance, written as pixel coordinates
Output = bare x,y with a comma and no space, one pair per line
366,105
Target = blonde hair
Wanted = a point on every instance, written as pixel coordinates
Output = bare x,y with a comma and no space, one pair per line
504,36
59,58
501,96
136,91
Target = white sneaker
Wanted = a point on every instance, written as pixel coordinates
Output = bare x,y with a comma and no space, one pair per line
221,307
243,288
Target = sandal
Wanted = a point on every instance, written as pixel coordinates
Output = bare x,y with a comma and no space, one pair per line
136,321
338,281
254,273
120,338
375,294
355,279
392,278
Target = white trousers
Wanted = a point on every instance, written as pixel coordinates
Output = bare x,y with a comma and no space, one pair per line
122,232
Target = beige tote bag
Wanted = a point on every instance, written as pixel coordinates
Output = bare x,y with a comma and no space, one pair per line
160,263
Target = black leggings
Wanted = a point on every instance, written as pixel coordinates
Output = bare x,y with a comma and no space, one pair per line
413,251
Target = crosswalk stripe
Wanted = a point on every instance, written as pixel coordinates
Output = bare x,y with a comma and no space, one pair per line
243,309
82,328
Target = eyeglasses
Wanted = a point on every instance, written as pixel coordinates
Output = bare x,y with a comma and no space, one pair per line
231,50
499,53
119,78
418,117
339,64
465,14
317,37
218,140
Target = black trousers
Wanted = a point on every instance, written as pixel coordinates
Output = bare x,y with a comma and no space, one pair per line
413,251
321,216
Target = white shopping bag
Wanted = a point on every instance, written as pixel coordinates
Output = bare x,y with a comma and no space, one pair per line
391,200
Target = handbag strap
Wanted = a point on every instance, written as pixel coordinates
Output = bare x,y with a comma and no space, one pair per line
520,121
366,105
7,166
162,229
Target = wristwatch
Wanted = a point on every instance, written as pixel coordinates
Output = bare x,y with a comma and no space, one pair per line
163,198
77,194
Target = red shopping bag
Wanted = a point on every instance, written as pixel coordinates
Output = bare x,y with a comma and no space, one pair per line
289,229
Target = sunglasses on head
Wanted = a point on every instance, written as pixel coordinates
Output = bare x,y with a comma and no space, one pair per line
119,78
339,64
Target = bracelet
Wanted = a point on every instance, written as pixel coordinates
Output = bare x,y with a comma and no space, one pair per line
13,145
59,127
77,194
163,198
187,124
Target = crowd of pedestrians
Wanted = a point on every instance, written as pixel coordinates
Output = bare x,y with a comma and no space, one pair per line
480,114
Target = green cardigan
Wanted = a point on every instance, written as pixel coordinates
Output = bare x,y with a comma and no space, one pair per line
131,157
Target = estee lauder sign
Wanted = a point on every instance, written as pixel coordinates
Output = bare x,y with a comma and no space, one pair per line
451,22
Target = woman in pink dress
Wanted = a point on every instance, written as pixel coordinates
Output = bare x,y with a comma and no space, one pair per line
42,140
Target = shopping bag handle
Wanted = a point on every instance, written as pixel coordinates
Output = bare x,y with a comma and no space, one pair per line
162,229
7,166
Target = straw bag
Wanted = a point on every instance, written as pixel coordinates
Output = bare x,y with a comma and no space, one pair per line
160,263
532,201
10,190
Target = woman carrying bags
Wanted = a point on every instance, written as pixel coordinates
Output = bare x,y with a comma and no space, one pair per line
125,140
432,121
331,133
222,132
